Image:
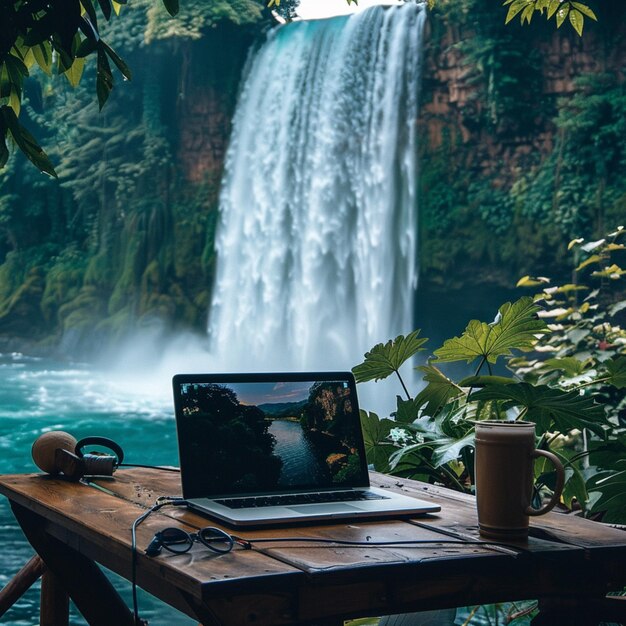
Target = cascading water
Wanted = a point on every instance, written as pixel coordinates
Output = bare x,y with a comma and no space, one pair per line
317,235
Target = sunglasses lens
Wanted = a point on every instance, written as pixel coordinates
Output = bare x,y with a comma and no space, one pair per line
216,539
175,540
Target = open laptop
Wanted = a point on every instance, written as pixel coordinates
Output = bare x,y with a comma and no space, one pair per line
263,449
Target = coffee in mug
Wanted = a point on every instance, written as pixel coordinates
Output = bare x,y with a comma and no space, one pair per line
505,454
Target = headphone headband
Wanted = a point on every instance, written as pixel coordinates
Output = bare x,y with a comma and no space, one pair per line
100,441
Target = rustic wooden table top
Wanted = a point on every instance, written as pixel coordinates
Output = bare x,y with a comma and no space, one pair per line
297,582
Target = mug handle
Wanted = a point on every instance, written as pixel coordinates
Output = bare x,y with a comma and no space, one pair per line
560,479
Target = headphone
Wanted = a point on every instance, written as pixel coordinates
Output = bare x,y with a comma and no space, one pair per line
58,452
98,464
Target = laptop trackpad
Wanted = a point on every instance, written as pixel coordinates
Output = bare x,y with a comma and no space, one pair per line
324,508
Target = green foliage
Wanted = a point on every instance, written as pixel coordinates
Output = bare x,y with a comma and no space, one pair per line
47,35
561,10
385,359
122,237
197,16
515,326
569,383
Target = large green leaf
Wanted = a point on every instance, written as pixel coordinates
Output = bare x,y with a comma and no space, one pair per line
549,408
515,327
438,392
407,411
574,486
607,491
617,371
377,447
449,449
385,359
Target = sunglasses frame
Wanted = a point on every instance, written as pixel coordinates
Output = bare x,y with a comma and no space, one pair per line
159,541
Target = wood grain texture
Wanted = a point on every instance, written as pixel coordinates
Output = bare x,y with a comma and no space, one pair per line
298,582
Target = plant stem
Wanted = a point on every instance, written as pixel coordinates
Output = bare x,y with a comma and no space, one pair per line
408,395
480,365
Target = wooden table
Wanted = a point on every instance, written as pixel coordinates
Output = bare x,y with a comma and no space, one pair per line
568,564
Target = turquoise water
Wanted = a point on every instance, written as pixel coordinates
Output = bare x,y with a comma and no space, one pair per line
38,395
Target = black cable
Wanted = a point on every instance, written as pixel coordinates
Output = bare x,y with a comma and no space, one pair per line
247,544
160,502
156,467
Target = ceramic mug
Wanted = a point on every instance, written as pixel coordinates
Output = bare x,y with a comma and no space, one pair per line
504,459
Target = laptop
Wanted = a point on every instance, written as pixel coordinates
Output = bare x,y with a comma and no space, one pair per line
269,449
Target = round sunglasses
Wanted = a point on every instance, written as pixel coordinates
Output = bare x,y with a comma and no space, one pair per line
179,541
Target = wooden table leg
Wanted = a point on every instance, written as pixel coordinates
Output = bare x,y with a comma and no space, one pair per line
55,603
82,579
20,583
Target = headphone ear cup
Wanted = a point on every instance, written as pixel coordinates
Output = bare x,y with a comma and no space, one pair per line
100,464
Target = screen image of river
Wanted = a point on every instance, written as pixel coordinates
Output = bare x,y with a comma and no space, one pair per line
300,461
263,437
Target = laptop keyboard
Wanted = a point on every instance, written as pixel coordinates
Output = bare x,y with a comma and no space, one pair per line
301,498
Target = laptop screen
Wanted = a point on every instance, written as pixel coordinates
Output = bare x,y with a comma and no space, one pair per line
268,433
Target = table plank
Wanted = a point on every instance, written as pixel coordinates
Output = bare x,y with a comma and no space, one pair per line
98,525
297,583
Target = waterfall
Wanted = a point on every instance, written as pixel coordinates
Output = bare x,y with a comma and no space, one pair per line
316,243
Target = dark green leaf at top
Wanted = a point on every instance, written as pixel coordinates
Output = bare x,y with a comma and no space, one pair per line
550,409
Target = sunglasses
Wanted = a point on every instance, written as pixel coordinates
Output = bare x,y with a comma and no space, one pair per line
179,541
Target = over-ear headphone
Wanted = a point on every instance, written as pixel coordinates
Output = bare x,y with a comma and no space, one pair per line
58,452
97,464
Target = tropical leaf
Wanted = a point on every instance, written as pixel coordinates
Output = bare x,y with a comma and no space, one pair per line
483,381
515,7
617,307
26,142
407,411
561,14
172,6
515,327
449,449
4,151
611,487
550,409
43,56
532,281
121,65
577,20
385,359
569,365
377,446
583,8
552,7
617,371
594,258
104,78
75,72
439,390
